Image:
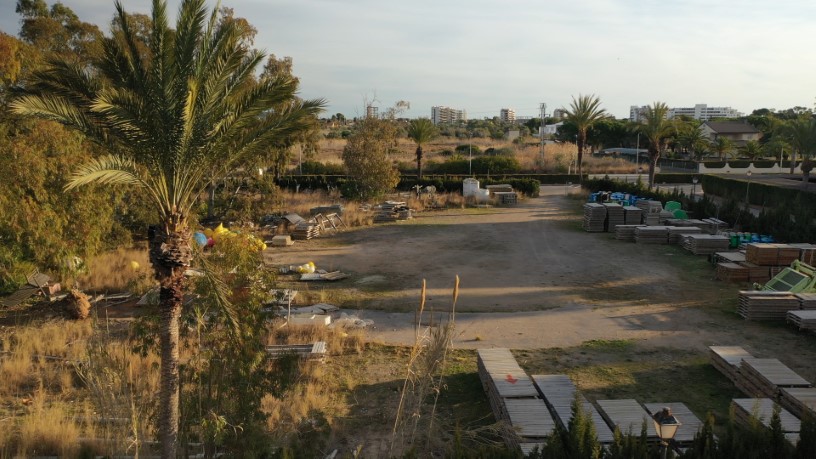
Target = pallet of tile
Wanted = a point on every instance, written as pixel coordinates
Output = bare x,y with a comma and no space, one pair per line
614,216
765,305
807,252
807,300
502,378
594,217
727,359
787,254
652,235
800,401
530,421
762,254
628,415
732,272
804,320
626,232
729,257
558,392
757,273
769,375
691,424
306,230
705,244
676,232
632,215
745,409
713,225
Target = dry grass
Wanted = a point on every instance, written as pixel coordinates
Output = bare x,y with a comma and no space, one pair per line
116,271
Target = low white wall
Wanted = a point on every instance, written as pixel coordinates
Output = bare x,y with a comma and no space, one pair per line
727,169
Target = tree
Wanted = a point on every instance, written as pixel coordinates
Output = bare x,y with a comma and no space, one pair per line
801,134
367,158
691,139
584,112
188,112
722,146
752,149
656,129
421,131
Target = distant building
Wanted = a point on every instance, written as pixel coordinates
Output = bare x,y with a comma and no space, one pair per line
551,129
559,113
523,119
701,112
372,111
507,115
445,115
738,133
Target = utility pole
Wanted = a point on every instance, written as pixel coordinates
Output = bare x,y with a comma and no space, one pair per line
543,107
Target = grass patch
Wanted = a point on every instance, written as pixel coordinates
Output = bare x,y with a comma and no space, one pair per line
610,345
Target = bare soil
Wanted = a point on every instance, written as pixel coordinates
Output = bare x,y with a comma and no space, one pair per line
531,278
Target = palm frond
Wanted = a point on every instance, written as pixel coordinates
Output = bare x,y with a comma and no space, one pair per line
220,293
110,170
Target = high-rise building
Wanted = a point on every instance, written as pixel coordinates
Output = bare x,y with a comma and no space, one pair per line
559,113
372,111
507,115
700,112
444,115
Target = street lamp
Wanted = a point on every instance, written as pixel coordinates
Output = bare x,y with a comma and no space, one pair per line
637,151
470,155
747,188
666,426
694,181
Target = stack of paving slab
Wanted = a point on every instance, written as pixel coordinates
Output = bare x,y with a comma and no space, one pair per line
732,272
626,232
713,225
632,215
691,424
559,392
652,235
746,408
705,244
594,217
804,320
800,401
729,257
764,377
628,415
766,305
676,232
391,211
727,360
757,273
651,211
614,216
514,399
807,300
305,230
807,252
687,222
771,254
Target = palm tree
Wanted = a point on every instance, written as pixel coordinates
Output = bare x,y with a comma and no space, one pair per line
174,116
722,146
691,138
656,128
752,149
583,113
801,135
421,130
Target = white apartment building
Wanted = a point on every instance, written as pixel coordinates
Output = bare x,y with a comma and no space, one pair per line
372,111
700,112
444,115
507,115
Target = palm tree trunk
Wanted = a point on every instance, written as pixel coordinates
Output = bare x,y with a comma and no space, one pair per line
170,255
793,161
653,157
581,140
419,162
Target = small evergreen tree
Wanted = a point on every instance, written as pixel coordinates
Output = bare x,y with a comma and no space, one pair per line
806,447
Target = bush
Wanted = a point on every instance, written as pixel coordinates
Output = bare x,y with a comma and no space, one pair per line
318,168
466,149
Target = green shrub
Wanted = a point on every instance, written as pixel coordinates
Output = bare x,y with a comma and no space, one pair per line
466,149
318,168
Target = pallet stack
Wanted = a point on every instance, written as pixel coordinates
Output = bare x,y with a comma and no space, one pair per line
305,230
514,399
807,253
807,300
558,392
757,273
732,272
727,360
729,257
764,377
800,401
652,235
391,211
506,198
746,408
762,254
614,216
676,233
628,415
803,320
594,217
705,244
766,305
626,232
632,215
713,225
651,211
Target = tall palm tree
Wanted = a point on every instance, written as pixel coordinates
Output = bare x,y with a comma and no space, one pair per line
656,128
174,116
752,149
801,135
722,146
421,131
691,138
583,113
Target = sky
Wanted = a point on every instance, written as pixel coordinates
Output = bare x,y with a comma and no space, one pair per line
485,55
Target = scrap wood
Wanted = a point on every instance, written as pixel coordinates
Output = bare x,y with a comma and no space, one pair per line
332,276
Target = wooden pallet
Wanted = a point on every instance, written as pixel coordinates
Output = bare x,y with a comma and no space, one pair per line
312,351
732,272
757,273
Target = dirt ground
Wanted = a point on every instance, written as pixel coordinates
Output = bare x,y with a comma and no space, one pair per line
530,278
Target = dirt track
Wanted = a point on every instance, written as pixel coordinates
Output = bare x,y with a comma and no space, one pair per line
531,278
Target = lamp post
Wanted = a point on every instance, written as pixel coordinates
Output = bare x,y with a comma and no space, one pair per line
747,188
666,426
470,155
694,181
637,151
